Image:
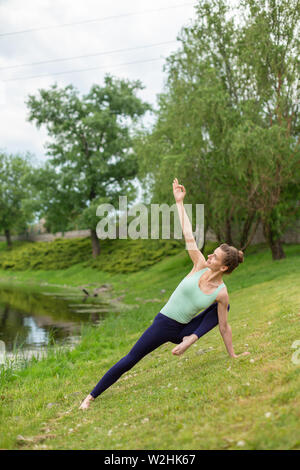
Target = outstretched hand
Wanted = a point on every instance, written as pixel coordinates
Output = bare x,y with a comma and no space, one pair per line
242,354
178,191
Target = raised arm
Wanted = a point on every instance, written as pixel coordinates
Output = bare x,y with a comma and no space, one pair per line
194,252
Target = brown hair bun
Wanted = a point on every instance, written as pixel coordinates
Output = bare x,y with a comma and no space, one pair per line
232,257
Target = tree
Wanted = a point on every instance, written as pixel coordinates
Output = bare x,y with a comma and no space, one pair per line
17,194
91,157
228,121
271,34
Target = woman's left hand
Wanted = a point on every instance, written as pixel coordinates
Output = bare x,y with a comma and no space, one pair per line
178,191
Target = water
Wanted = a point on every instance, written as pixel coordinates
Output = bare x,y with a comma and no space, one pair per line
30,321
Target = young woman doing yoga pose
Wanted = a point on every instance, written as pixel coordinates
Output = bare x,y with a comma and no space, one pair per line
176,322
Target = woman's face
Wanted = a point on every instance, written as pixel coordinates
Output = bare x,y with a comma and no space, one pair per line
215,260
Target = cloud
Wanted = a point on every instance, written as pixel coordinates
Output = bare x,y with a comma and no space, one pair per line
89,38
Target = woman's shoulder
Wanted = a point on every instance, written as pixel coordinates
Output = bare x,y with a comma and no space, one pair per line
194,271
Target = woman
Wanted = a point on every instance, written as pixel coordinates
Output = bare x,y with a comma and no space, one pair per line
176,322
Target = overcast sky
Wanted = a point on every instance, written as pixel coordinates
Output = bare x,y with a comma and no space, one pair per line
120,25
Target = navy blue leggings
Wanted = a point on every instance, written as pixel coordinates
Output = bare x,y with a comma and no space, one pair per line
162,330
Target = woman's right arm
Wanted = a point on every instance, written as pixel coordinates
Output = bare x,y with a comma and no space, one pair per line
194,252
224,327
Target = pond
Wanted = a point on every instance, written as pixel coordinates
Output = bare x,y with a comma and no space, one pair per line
31,320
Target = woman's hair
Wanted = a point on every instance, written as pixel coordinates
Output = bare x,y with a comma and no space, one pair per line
232,257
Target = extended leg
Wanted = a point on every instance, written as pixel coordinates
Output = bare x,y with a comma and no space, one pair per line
157,334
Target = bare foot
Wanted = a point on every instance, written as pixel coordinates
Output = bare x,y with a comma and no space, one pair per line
86,402
180,349
186,342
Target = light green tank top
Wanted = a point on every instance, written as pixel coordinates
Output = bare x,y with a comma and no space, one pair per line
188,299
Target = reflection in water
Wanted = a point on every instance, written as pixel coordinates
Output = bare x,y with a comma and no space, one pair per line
32,320
36,335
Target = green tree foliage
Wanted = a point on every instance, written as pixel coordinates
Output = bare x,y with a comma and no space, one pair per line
91,158
17,194
228,121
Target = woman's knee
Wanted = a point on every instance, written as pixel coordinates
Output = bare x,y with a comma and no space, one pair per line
128,361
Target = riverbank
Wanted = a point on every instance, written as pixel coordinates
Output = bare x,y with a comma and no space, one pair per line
201,400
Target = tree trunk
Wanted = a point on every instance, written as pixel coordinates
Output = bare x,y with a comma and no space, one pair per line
277,250
8,239
95,243
251,236
218,235
274,243
5,316
228,231
246,228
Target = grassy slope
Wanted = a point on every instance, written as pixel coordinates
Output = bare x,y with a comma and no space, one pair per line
201,400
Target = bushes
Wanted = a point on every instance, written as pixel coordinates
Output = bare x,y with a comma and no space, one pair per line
59,254
124,256
116,255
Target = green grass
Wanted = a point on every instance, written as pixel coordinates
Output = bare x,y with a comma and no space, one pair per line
201,400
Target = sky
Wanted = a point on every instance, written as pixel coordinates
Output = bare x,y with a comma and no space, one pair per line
33,32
